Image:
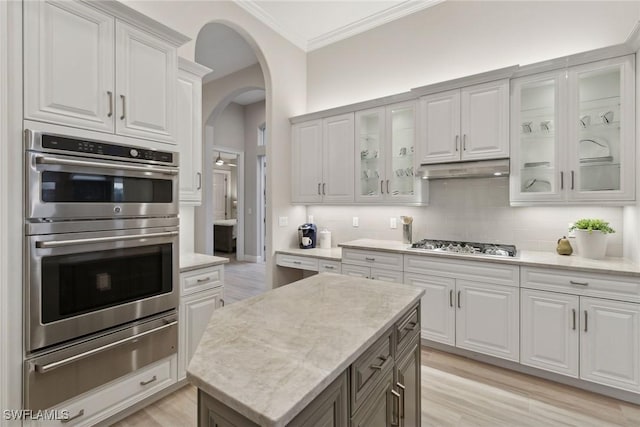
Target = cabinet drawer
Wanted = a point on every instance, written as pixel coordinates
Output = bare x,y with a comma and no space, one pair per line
107,400
355,270
367,371
325,266
378,259
407,328
200,280
579,283
478,271
300,262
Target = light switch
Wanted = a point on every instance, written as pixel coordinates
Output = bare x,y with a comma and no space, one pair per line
355,221
393,223
283,221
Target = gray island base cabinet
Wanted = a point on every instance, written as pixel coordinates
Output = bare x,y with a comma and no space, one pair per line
373,376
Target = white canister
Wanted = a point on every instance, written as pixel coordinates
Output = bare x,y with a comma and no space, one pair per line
325,239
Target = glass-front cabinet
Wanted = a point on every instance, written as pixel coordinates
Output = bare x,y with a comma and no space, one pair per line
572,134
385,148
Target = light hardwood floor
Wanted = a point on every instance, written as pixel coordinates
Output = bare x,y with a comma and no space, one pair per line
456,391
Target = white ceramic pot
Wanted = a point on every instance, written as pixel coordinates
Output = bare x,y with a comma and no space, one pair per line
591,244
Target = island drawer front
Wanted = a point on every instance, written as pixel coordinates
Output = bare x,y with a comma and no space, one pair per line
369,369
355,270
200,280
386,275
407,328
597,285
378,259
490,272
325,266
300,262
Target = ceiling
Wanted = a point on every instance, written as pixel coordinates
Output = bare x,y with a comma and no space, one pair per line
314,24
250,97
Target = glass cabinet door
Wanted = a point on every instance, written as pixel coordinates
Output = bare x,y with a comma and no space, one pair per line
601,131
400,174
370,155
536,168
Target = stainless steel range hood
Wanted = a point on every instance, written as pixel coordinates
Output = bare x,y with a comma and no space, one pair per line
475,169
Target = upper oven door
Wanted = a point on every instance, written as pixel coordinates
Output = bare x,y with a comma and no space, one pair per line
82,283
68,187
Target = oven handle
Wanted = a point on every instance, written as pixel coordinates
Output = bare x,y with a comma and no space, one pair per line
59,243
43,369
68,162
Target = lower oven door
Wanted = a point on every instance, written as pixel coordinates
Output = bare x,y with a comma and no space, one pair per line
82,283
68,372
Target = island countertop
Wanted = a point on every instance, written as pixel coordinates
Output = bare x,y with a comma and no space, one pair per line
269,356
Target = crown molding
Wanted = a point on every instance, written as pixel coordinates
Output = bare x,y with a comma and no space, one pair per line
391,14
194,68
633,39
405,8
254,8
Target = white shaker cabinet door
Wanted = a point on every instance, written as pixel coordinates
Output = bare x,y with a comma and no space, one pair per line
338,159
440,128
610,343
488,319
146,76
549,331
485,121
69,65
437,307
307,162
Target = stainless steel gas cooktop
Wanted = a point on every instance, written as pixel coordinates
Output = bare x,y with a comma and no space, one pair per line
466,248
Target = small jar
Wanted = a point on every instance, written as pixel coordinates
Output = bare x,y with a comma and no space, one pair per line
325,239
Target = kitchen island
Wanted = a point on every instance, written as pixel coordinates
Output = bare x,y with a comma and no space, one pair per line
327,350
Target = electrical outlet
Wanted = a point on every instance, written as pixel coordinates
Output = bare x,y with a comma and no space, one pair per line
310,219
393,223
355,221
283,221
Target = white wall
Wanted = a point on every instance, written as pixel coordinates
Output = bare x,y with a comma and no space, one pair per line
228,127
474,210
284,66
254,117
459,38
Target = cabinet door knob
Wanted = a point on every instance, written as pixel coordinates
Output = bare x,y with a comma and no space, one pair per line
110,95
124,107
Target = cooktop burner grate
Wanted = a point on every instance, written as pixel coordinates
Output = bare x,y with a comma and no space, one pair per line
455,246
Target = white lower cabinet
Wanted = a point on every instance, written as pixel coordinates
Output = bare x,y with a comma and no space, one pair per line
549,331
105,401
372,273
196,309
476,316
610,343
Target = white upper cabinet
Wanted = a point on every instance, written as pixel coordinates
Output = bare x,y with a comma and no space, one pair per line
189,130
89,69
322,157
471,123
68,65
573,134
146,73
385,155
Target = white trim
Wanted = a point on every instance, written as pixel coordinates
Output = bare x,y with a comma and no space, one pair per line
4,158
194,68
633,39
250,258
227,191
390,14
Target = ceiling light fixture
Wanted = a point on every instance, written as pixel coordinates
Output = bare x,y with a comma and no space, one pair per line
219,160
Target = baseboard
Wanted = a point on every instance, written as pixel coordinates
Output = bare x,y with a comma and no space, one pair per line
619,394
249,258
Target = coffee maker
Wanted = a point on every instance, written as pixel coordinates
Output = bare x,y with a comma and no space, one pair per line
307,234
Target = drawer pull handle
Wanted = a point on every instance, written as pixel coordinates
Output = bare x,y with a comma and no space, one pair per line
378,367
154,378
78,415
402,390
297,262
206,279
369,259
222,301
329,267
573,314
124,106
459,302
451,297
573,282
411,326
395,408
110,95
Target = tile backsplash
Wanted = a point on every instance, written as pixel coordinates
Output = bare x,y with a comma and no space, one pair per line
471,210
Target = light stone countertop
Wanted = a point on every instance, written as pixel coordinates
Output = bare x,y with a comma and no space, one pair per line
612,265
269,356
332,254
193,261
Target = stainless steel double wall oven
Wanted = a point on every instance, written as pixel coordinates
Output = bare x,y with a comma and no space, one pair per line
101,243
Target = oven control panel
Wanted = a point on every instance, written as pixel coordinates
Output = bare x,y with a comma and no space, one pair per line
105,149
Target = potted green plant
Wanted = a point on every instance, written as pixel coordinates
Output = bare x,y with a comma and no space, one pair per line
591,237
